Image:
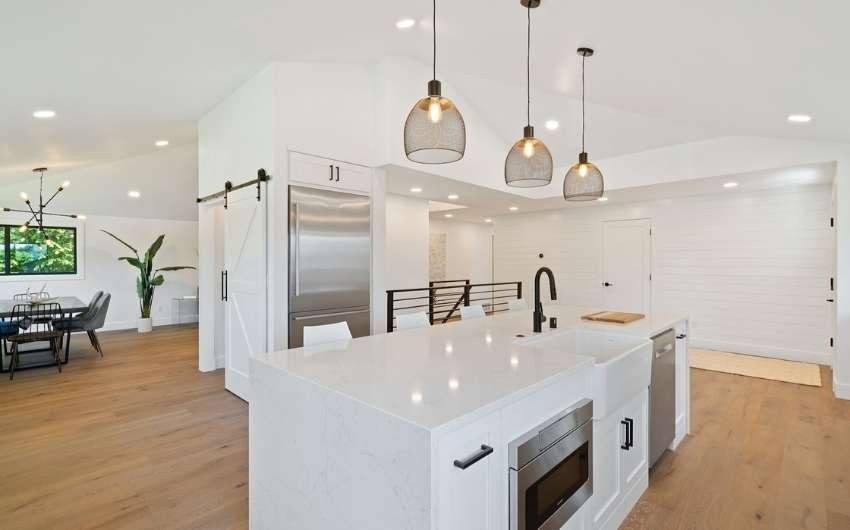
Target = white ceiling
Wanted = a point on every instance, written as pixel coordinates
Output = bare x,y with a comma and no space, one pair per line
477,203
123,74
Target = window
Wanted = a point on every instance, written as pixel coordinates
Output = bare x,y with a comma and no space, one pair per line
32,252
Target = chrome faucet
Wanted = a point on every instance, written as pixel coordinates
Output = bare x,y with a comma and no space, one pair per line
539,317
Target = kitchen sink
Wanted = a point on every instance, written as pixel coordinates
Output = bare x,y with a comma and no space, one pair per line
622,363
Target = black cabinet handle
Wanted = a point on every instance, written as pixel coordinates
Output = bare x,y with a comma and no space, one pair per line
681,336
625,445
830,299
337,173
631,431
332,172
485,451
607,284
224,290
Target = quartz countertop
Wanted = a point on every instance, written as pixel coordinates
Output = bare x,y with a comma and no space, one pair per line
431,376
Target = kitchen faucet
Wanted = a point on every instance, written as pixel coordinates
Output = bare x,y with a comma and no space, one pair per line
539,317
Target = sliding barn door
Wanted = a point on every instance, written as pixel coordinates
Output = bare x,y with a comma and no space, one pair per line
244,280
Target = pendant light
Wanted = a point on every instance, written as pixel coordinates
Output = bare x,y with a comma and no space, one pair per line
529,163
434,132
584,181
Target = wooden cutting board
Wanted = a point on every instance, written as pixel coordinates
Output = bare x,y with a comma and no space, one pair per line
615,317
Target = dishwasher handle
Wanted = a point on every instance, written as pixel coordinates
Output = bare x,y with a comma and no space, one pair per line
664,351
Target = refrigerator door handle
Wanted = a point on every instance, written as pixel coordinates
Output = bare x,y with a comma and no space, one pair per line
326,315
297,249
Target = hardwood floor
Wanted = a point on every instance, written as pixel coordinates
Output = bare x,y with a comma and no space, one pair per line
138,439
142,440
762,454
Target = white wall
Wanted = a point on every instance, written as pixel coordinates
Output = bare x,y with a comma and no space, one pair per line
101,270
406,263
751,269
468,253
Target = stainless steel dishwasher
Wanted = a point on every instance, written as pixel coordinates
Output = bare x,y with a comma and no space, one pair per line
662,395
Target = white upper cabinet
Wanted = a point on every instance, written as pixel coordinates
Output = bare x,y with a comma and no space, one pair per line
329,173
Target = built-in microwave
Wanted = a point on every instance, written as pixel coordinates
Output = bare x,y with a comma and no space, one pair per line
551,470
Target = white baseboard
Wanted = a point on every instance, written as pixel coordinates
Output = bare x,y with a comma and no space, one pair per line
681,432
774,352
841,390
116,325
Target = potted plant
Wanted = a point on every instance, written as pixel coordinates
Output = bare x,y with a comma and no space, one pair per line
149,278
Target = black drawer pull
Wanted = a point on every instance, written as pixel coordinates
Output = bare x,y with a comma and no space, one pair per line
332,172
626,445
682,336
485,451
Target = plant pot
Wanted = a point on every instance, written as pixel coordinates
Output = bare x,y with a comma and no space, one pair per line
145,325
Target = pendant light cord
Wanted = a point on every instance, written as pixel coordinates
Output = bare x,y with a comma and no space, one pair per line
528,70
434,31
583,57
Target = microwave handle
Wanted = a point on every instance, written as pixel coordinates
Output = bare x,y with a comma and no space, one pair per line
485,451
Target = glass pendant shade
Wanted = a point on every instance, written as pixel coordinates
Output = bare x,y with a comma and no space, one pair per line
434,132
529,163
584,181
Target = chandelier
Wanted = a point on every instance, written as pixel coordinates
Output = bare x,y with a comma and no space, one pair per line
37,216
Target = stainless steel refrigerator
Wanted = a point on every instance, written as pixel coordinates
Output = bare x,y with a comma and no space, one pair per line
329,261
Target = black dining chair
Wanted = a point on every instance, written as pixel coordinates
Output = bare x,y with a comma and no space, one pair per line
89,321
35,324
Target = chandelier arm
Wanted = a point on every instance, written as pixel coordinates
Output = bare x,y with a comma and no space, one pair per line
51,198
71,215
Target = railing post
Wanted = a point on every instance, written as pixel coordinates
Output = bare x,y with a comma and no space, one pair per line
519,290
431,303
390,311
466,290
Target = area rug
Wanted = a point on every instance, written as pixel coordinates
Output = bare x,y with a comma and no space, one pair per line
753,366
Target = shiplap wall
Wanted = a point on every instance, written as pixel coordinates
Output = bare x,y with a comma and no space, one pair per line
751,269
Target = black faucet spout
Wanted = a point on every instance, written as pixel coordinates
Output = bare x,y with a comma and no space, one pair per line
539,317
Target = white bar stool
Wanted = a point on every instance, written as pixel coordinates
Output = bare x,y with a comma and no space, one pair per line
328,333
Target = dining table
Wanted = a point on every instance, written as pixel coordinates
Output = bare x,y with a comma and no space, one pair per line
71,305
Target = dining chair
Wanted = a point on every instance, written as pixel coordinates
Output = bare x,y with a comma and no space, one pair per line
472,311
327,333
35,324
517,304
90,321
412,320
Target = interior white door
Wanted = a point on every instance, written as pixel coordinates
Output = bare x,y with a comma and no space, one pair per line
626,265
244,280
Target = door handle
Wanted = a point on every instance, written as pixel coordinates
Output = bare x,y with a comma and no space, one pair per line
681,336
224,274
332,172
222,287
297,250
337,173
485,451
326,315
625,445
607,284
830,299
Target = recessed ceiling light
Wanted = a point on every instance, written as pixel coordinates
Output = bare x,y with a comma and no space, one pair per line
405,23
602,199
161,143
416,397
552,125
513,208
454,384
44,114
82,217
799,118
134,194
453,197
731,185
416,190
488,220
449,216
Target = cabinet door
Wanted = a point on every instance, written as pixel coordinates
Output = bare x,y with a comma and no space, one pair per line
329,173
469,498
634,459
607,438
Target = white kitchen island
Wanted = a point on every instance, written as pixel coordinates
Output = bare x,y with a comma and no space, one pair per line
363,434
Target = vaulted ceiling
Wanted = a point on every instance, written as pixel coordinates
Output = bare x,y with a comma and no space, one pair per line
123,74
